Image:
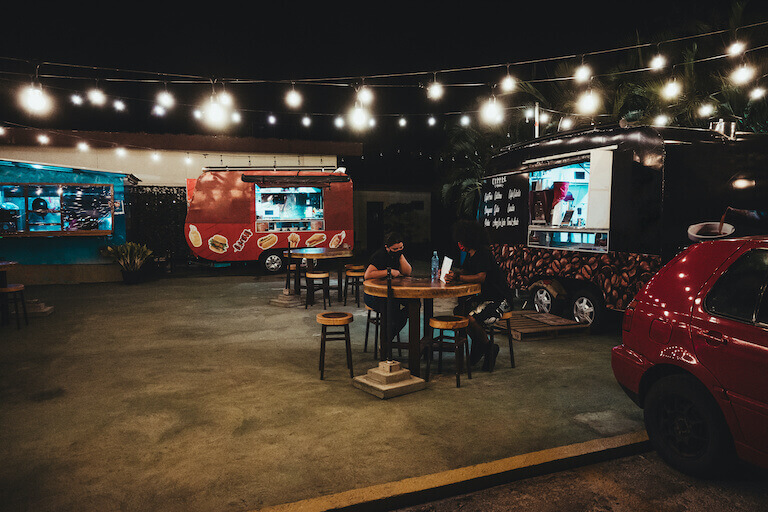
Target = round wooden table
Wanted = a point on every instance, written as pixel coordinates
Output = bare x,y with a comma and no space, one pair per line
417,288
313,254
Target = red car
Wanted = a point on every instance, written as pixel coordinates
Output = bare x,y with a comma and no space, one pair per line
695,355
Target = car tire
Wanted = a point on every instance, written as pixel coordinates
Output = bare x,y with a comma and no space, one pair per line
544,301
687,428
272,262
586,307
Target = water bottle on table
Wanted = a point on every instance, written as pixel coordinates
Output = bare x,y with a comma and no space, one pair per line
435,266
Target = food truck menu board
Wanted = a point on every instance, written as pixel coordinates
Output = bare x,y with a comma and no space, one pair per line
289,209
504,207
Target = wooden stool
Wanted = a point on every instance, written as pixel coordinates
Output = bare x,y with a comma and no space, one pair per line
350,266
15,293
290,275
457,324
310,278
332,319
508,332
376,321
357,280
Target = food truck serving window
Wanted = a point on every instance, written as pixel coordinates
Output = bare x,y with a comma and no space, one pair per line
289,208
55,209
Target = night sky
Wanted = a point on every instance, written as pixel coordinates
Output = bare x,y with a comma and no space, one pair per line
221,40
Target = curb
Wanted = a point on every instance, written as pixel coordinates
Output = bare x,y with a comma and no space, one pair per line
423,489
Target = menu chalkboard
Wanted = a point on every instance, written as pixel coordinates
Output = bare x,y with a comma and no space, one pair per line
504,208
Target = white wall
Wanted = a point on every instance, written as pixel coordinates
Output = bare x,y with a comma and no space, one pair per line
172,167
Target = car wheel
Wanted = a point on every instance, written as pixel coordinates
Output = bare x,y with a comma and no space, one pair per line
272,263
686,427
587,308
544,301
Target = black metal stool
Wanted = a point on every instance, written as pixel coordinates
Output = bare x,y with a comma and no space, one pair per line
376,321
357,281
325,279
508,332
332,319
13,293
458,342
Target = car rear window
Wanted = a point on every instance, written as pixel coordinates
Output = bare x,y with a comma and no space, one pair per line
738,291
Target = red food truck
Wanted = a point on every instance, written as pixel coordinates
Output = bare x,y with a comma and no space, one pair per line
252,214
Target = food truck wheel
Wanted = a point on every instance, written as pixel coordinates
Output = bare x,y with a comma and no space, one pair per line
587,308
544,301
272,262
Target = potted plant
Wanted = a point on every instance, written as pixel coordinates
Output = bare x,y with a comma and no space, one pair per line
130,256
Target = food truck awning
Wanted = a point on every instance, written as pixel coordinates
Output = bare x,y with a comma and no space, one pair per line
295,180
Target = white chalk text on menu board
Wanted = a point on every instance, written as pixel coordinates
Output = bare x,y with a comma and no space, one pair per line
504,205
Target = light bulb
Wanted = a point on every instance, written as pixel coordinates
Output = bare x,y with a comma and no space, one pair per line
582,74
464,121
756,93
158,110
76,99
272,119
197,113
492,112
2,131
188,160
431,121
225,99
544,117
165,99
736,48
293,98
82,146
119,105
658,62
43,139
508,84
671,90
156,157
371,122
339,122
435,91
214,114
743,74
706,110
588,103
358,118
35,101
121,152
402,122
661,120
566,123
97,97
365,96
236,117
306,121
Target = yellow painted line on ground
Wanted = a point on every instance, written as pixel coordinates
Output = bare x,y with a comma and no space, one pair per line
576,454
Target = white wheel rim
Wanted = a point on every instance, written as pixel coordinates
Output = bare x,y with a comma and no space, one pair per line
273,262
542,300
583,310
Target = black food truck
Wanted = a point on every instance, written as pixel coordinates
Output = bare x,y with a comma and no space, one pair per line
584,219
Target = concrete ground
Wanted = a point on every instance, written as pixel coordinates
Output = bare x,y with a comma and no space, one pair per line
641,483
195,394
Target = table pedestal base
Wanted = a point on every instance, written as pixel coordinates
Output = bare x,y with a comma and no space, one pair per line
287,299
388,380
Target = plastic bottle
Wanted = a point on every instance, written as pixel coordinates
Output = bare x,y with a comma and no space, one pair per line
435,266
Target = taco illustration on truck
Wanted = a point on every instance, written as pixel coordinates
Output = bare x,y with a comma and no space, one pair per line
280,209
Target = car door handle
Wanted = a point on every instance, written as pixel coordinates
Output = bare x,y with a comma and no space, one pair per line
714,337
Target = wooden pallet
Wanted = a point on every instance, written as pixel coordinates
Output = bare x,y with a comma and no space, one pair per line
529,325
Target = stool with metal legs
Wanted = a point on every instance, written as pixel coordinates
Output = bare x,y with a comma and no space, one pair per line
327,321
508,332
356,277
325,279
457,343
14,293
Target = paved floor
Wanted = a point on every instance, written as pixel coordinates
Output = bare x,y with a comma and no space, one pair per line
195,394
641,483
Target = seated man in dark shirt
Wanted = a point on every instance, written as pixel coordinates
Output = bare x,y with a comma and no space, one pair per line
389,256
494,298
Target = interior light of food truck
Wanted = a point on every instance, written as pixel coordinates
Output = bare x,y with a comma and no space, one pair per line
289,209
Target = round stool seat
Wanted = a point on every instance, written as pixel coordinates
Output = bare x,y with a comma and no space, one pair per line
334,318
355,273
11,288
292,266
369,308
506,316
449,322
350,266
317,275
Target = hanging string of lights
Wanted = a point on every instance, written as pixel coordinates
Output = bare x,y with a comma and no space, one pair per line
219,109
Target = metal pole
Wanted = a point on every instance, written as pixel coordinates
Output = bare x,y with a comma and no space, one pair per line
536,120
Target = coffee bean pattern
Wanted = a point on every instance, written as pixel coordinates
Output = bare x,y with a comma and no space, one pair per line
620,275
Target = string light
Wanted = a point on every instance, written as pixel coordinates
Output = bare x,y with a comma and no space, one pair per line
43,139
658,62
119,105
225,99
544,117
706,110
271,119
293,98
165,100
671,90
492,112
306,121
82,146
757,93
76,99
121,152
97,97
236,117
158,110
435,90
465,120
583,74
508,84
402,122
156,156
566,123
2,131
35,101
365,96
339,122
736,48
431,121
358,117
588,103
742,74
213,114
661,120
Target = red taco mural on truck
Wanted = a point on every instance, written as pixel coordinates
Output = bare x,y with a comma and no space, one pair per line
248,214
